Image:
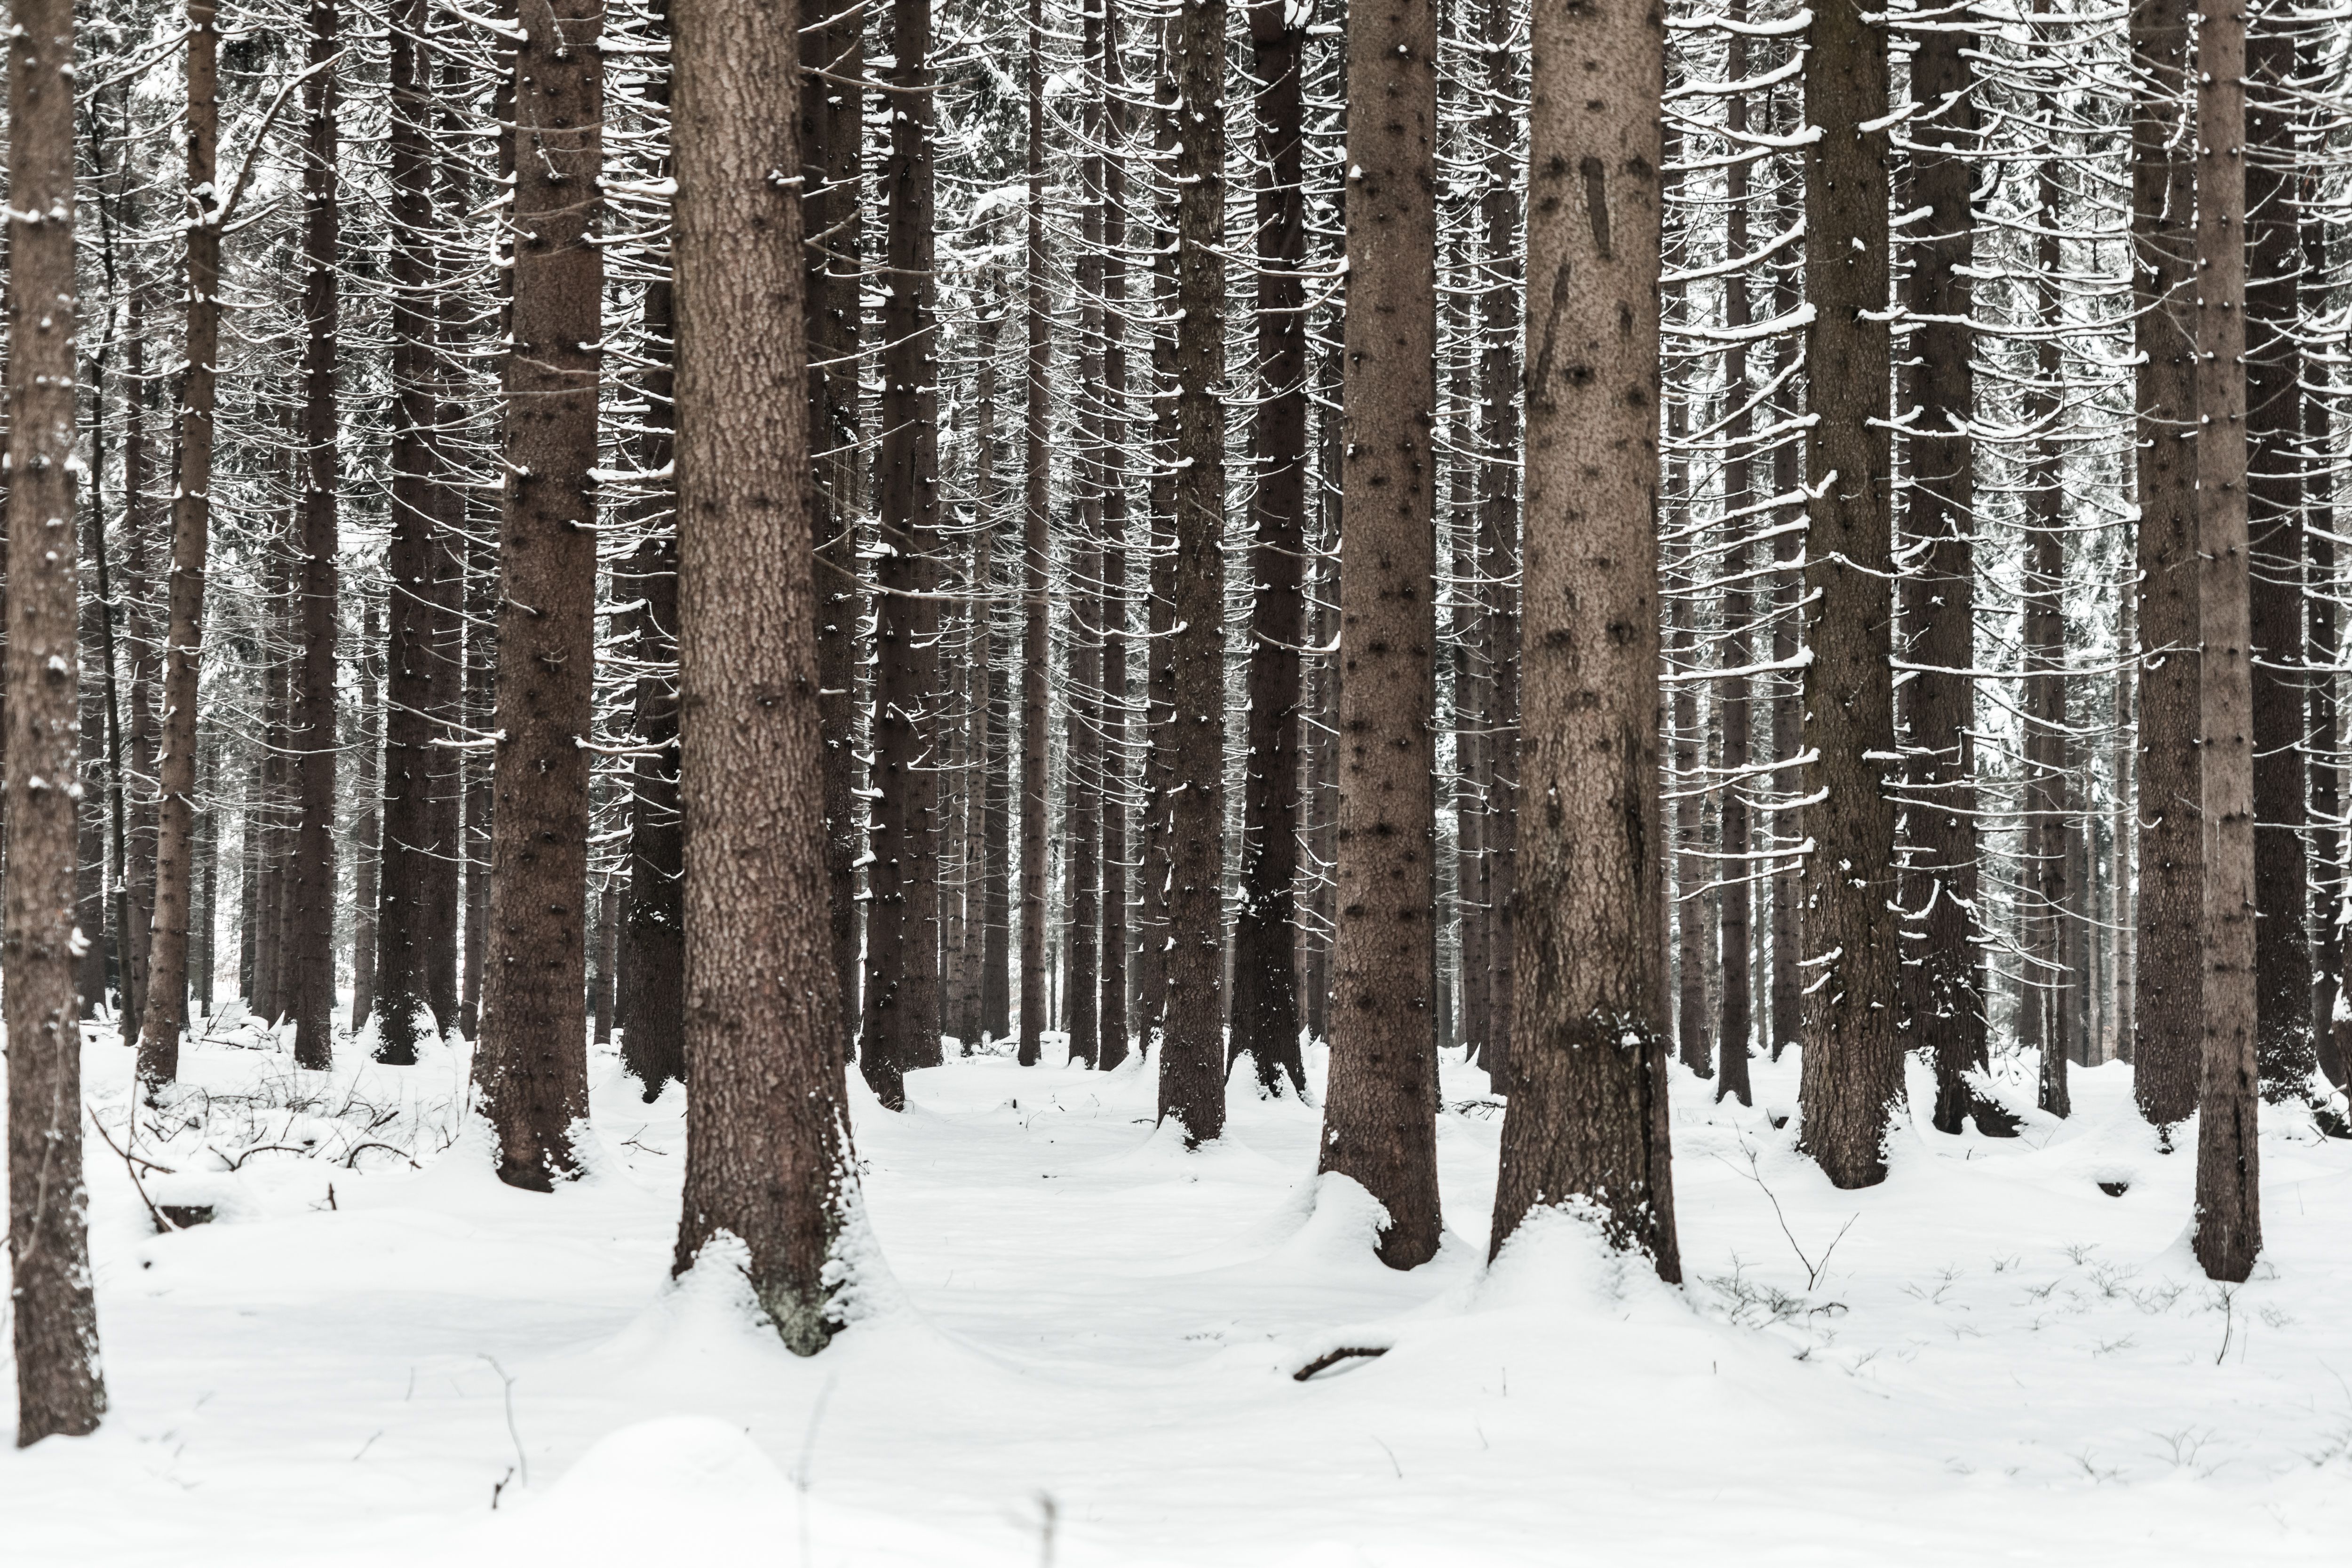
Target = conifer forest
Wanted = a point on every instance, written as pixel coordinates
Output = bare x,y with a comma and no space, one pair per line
1322,784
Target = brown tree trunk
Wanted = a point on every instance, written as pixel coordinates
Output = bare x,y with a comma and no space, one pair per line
1192,1055
1588,1111
995,1017
1265,986
1852,1071
601,987
1498,524
532,1061
1380,1109
767,1151
309,977
2170,978
2228,1226
902,957
366,833
481,698
165,1013
1035,551
1112,1021
412,561
2285,1049
1949,1022
832,110
53,1316
1735,1022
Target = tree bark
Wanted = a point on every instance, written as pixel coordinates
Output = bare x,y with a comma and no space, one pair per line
2229,1227
366,833
767,1151
1035,554
1853,1069
309,979
2170,979
1380,1109
902,956
53,1315
1112,1020
532,1061
1192,1055
1588,1112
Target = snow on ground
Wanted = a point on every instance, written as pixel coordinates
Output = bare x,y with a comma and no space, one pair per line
1084,1353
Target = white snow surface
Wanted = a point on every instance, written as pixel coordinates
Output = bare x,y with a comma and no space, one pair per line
1081,1350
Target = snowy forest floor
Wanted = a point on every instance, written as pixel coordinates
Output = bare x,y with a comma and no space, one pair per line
1082,1352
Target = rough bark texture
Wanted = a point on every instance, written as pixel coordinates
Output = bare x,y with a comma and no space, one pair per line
2284,1043
1587,1121
2228,1226
1112,1021
411,561
1950,1020
1852,1070
53,1317
366,831
1498,527
902,956
1379,1110
309,979
532,1060
165,1014
1265,981
1192,1055
1035,562
1736,1017
2169,977
768,1154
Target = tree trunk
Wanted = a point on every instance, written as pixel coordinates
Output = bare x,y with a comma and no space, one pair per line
1192,1055
902,956
1265,994
1112,1022
1498,524
1852,1070
1035,552
532,1061
164,1012
1379,1110
1736,1023
53,1317
2229,1227
309,979
600,986
1588,1112
366,831
2170,978
768,1152
404,879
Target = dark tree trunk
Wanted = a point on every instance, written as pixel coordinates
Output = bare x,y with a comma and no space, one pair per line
366,831
1265,985
1112,1021
309,977
2283,1044
1498,524
995,751
54,1316
2167,940
1035,558
1588,1111
1852,1070
1380,1109
481,700
1736,1023
2228,1226
412,559
1949,1022
164,1012
1192,1055
601,987
902,956
531,1062
768,1154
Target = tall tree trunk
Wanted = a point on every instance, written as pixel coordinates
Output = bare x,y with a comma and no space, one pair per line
1112,1013
600,986
767,1151
310,958
366,833
2170,979
532,1061
1736,1023
412,560
53,1316
1852,1070
902,958
1498,524
1265,994
1950,1020
1035,554
1192,1055
995,1018
165,1013
2229,1227
2283,1044
481,698
1379,1110
1587,1114
832,110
